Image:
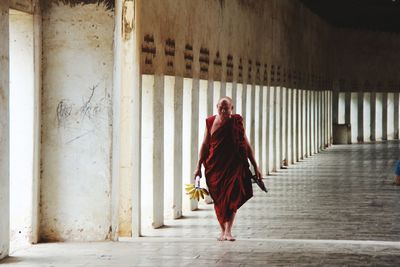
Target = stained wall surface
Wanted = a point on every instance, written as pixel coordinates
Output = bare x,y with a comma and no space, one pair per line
4,127
76,121
366,61
21,127
246,41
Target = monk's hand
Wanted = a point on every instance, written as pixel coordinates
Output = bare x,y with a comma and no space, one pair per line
197,173
258,174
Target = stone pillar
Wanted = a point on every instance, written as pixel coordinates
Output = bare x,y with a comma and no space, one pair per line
390,116
258,124
126,182
251,93
264,130
304,123
153,148
360,112
326,120
177,154
335,107
274,128
223,89
321,120
301,123
385,116
194,136
217,94
367,117
270,131
330,117
354,117
288,127
373,116
277,128
234,96
315,122
4,131
228,90
294,126
282,126
239,100
191,128
378,117
396,116
347,114
307,122
244,106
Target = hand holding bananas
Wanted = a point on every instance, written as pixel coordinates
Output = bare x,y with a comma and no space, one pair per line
195,191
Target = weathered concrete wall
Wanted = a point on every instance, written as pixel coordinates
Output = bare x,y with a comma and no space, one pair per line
21,127
252,41
366,61
4,134
22,5
77,121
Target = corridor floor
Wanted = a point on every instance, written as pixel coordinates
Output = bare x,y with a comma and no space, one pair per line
336,208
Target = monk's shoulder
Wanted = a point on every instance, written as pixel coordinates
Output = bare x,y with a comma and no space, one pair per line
211,118
210,121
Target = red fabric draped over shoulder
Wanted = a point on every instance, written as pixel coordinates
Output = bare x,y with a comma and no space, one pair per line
227,168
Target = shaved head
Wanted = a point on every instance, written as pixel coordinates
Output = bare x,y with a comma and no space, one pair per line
226,99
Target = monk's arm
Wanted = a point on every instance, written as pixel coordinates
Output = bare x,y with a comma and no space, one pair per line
203,153
250,155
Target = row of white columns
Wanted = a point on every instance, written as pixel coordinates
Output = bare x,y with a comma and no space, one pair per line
372,116
283,125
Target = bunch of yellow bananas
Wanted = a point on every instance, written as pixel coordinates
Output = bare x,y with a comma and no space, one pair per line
196,192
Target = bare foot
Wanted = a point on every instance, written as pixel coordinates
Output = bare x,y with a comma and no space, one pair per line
229,237
221,237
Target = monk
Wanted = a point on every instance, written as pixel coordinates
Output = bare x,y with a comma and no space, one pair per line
224,153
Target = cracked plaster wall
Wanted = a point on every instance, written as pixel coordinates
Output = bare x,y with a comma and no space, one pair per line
76,122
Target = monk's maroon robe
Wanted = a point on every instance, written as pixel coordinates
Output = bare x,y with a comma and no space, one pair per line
227,168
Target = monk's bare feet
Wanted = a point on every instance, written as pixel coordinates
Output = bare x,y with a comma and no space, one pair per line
221,237
229,237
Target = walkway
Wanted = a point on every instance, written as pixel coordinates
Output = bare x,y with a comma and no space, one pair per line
337,208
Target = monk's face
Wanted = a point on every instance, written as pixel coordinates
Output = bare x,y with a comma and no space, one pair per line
224,108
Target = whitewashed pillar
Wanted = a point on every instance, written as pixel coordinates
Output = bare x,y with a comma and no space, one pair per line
294,126
373,116
257,123
396,116
283,121
4,132
153,148
301,123
215,93
270,123
234,96
385,116
367,117
177,154
228,90
264,130
250,113
312,121
191,86
278,137
307,122
274,126
288,126
239,99
126,148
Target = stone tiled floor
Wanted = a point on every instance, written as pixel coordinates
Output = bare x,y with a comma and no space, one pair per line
345,192
337,208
